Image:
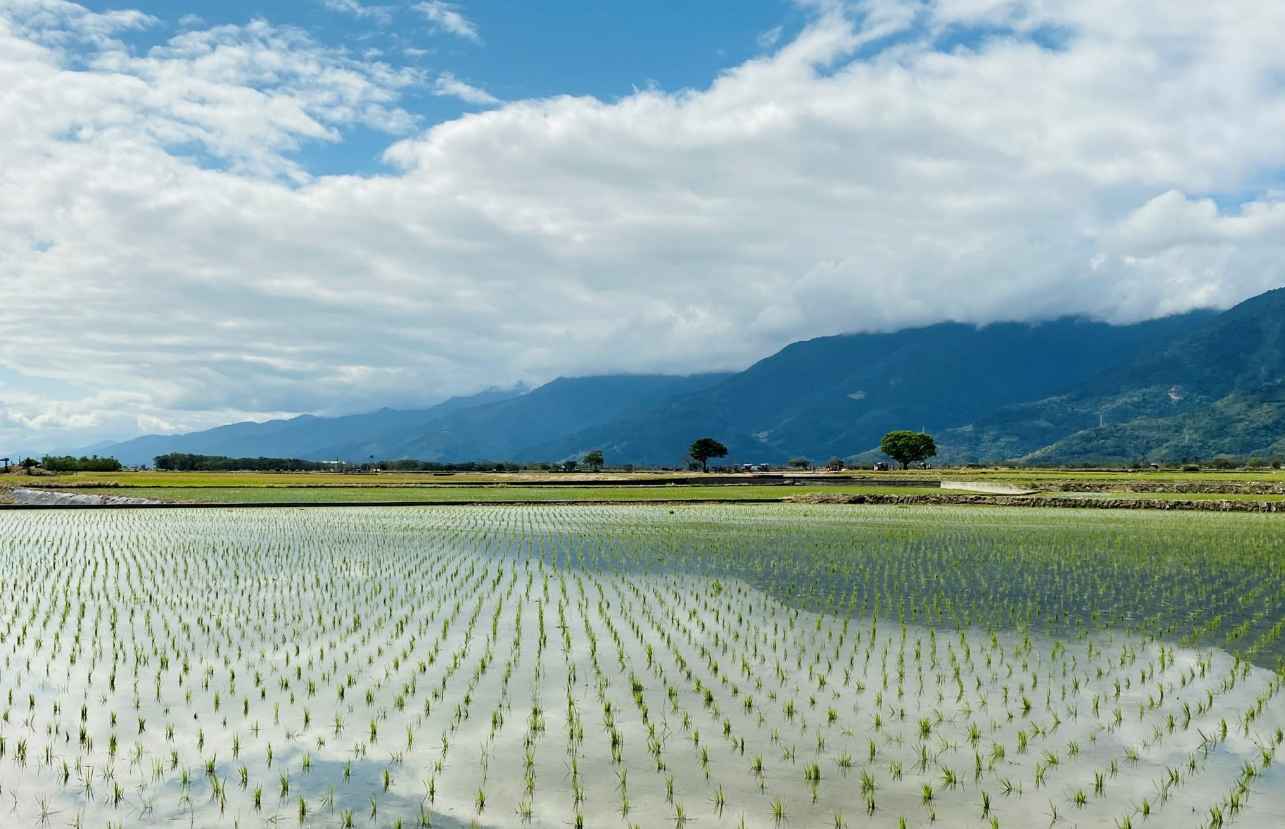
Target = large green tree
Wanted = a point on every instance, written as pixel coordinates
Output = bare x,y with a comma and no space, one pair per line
704,449
908,447
593,460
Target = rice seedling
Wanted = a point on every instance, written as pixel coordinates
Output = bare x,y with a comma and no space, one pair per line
778,811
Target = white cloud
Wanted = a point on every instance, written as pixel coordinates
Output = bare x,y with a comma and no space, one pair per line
32,425
242,94
382,15
448,84
1196,253
768,39
179,263
61,22
449,18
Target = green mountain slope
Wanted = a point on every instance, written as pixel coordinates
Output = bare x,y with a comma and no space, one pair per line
1243,424
840,395
1209,391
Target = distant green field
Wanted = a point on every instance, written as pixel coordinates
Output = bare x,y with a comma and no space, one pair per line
544,487
474,494
1037,476
1034,478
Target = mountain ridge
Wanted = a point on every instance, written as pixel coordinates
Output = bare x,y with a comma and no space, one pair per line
796,402
1064,390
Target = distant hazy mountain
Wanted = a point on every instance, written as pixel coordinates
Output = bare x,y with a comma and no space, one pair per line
1197,384
493,425
505,429
91,449
305,436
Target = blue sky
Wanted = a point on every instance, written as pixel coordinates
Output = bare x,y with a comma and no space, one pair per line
522,50
213,212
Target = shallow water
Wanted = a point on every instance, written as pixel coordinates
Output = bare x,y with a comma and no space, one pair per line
574,664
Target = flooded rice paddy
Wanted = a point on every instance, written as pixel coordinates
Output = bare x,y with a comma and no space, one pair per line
702,666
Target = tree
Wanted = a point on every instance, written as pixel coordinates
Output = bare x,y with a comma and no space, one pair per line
835,464
29,464
908,447
704,449
54,463
570,466
593,460
800,463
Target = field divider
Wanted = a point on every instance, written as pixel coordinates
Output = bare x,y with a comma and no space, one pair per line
331,504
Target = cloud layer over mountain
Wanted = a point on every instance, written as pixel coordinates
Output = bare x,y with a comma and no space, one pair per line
168,262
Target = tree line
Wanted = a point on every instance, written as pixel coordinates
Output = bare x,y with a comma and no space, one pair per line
183,462
69,463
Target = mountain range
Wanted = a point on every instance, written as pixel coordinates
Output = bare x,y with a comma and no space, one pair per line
1198,384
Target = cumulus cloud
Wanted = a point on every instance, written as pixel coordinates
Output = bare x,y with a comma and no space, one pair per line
448,17
62,22
893,164
245,95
